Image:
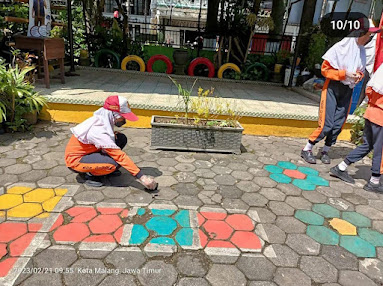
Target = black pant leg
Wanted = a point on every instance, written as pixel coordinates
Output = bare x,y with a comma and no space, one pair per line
121,140
362,150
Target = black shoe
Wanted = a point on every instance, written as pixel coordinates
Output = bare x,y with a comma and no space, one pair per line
371,187
93,181
116,173
309,157
325,158
343,175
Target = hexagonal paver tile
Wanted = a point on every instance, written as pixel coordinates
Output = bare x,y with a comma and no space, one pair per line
309,217
10,231
86,216
240,222
246,240
162,225
303,244
304,185
358,246
295,174
26,210
72,232
17,247
308,171
290,277
256,267
139,235
318,269
184,236
342,227
350,278
287,165
371,236
126,258
160,274
19,190
323,234
8,201
39,195
339,257
316,180
281,178
326,210
3,250
218,229
105,224
356,219
274,169
214,215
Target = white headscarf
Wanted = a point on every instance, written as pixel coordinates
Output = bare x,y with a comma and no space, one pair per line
376,81
98,130
347,55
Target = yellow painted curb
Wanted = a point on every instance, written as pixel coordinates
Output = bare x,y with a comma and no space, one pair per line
76,113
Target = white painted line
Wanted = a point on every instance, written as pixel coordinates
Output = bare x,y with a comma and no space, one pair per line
95,246
188,207
126,234
269,252
222,251
212,210
260,231
163,206
253,214
193,219
152,249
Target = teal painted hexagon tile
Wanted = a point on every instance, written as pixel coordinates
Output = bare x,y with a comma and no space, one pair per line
139,234
308,171
287,165
326,210
165,212
162,225
273,169
358,246
316,180
323,235
304,185
356,219
309,217
141,211
280,178
184,237
183,218
371,236
162,240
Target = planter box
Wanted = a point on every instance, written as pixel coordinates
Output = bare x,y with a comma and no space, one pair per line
195,138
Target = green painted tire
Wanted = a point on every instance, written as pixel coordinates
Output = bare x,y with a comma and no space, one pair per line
265,74
116,64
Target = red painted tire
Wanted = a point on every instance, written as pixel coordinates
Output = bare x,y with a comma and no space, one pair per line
201,61
165,59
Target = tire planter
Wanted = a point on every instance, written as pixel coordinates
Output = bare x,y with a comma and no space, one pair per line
195,138
165,59
201,61
262,67
227,66
107,52
133,58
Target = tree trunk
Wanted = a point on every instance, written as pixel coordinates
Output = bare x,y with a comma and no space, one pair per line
277,13
308,13
256,6
212,16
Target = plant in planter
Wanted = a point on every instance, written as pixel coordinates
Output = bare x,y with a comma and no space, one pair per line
18,98
201,132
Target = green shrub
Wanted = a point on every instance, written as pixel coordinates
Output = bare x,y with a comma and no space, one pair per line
358,127
17,96
317,48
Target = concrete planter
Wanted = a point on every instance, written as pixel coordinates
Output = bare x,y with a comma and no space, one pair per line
195,138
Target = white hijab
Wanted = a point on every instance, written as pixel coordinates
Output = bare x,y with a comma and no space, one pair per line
347,55
376,81
98,129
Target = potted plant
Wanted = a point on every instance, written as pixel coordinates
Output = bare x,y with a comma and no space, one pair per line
202,131
19,102
281,57
181,57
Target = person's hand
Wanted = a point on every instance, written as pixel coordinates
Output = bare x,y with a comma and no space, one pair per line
352,76
360,76
148,182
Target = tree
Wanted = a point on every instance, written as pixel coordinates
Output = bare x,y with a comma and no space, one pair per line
212,16
306,27
277,13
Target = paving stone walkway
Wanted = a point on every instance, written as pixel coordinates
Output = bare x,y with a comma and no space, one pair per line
260,218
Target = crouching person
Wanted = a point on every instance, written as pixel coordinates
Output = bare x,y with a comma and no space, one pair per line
95,150
372,137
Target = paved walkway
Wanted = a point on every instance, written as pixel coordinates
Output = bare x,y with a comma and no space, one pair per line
156,91
260,218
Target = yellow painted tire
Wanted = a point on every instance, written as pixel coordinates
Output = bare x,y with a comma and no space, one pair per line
133,58
226,67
